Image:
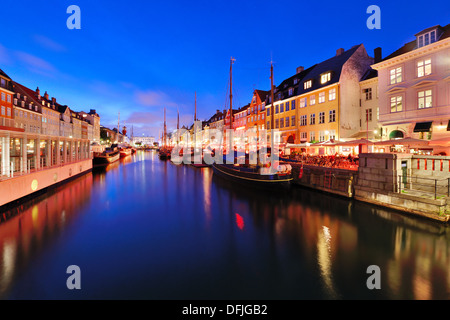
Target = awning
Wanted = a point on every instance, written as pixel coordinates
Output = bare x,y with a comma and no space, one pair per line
291,139
423,126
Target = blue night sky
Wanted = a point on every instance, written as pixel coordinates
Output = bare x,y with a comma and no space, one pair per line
137,57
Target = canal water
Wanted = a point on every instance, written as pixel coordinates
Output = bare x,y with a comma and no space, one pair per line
143,228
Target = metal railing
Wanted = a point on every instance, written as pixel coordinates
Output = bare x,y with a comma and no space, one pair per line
436,188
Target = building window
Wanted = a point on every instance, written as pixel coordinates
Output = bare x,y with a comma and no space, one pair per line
295,81
427,38
282,123
424,99
282,107
395,75
277,109
312,118
368,114
293,105
302,102
396,104
3,111
303,120
322,97
287,106
303,136
307,84
291,91
321,136
312,100
3,96
368,93
287,122
332,135
325,77
268,112
332,116
312,136
293,121
3,83
332,95
276,123
423,68
322,117
268,125
8,98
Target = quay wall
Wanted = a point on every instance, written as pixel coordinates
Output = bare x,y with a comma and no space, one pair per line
24,185
378,181
334,180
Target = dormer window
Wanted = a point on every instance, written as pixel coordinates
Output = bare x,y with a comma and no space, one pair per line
307,84
291,91
295,81
324,78
426,39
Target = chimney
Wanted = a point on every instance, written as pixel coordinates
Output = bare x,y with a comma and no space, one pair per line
377,55
300,69
38,92
217,111
46,95
339,51
53,100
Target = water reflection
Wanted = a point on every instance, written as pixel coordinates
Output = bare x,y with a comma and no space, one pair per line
165,231
35,225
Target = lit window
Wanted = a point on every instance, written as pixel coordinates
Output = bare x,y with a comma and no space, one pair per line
425,99
302,102
322,97
325,77
303,136
312,136
423,68
396,104
312,100
332,94
396,75
3,96
312,118
8,98
307,84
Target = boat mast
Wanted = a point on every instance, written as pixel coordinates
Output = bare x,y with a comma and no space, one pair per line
231,92
272,112
165,133
178,127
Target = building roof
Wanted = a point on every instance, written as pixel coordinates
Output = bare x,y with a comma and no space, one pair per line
333,65
410,46
370,73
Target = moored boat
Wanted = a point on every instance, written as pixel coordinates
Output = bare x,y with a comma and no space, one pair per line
110,155
255,175
125,151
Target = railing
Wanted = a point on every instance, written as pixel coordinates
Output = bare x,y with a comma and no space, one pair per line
436,188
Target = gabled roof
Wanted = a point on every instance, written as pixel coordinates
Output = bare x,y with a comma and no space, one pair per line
333,65
410,46
4,75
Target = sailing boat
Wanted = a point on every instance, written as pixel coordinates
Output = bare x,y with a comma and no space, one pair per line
195,151
164,151
255,175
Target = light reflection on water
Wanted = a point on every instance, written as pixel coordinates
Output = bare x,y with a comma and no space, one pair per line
147,229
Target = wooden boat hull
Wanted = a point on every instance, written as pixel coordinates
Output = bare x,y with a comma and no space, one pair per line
106,158
125,152
253,178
